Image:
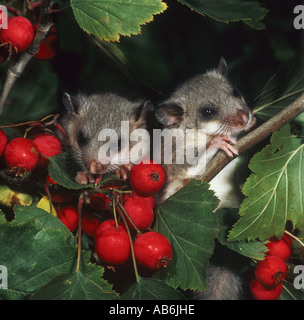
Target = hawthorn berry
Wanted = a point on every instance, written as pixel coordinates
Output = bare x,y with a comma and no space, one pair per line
260,292
112,245
89,223
3,141
109,224
69,217
140,212
21,154
147,178
49,46
149,199
270,271
19,33
47,146
287,239
278,247
152,250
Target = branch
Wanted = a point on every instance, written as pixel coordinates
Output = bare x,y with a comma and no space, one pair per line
15,70
254,137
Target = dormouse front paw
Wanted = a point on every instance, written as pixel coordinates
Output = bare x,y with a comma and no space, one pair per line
225,143
84,178
123,171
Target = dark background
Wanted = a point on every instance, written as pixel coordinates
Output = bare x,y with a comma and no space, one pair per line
176,45
179,44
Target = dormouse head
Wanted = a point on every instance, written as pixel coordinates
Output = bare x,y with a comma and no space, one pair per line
93,120
207,101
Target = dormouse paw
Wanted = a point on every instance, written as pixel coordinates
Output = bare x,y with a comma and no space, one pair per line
123,171
84,178
225,143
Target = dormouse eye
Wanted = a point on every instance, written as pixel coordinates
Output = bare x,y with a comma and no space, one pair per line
208,112
82,140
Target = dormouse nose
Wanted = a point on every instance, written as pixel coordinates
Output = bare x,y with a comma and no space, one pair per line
241,119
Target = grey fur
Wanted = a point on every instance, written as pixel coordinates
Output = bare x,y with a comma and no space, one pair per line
89,114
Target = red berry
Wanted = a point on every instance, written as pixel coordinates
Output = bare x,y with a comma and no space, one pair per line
47,145
152,250
140,212
259,292
150,199
49,46
109,224
271,271
19,33
288,240
278,248
3,141
69,217
21,153
89,223
146,179
112,245
58,194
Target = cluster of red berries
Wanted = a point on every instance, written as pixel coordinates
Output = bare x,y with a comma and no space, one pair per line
151,249
23,155
20,34
112,239
272,271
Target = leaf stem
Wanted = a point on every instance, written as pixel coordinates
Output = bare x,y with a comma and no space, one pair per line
119,209
80,205
294,237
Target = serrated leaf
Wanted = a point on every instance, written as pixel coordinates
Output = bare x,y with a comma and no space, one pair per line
151,289
74,286
252,249
249,12
274,191
188,222
33,257
283,88
42,218
108,20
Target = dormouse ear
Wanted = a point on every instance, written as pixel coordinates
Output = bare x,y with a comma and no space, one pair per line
143,113
169,114
222,67
70,103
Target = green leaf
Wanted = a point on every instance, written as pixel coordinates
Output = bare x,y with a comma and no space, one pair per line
291,293
188,222
274,190
252,249
108,20
33,257
42,218
283,88
232,10
151,289
74,286
63,169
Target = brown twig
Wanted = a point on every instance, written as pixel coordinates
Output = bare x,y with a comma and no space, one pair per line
15,70
254,137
